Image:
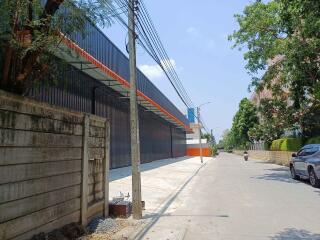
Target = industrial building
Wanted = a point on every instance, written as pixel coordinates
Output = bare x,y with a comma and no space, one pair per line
96,81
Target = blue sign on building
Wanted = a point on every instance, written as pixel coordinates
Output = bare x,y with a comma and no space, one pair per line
191,116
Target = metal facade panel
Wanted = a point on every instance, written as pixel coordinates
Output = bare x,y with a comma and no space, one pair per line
179,143
159,139
100,47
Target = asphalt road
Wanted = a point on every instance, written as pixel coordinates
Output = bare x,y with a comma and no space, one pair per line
231,199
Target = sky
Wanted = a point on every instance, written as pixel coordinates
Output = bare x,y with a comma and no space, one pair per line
194,35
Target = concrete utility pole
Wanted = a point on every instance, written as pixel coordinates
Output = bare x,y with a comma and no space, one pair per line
134,118
199,122
200,127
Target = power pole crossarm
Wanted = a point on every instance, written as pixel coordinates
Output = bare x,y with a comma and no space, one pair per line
134,118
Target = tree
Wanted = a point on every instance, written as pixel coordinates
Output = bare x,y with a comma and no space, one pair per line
275,117
30,35
226,142
259,32
310,121
207,136
245,119
210,138
300,20
286,30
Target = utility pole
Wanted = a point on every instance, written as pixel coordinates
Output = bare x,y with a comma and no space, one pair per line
134,119
199,123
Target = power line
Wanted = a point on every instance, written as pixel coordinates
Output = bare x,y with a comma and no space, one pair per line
166,56
165,59
155,46
149,40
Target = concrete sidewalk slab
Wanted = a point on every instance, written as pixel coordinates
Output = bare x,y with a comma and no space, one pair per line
159,179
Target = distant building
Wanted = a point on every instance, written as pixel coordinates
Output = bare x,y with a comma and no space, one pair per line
193,143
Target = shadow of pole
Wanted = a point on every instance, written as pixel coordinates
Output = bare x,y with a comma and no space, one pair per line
163,209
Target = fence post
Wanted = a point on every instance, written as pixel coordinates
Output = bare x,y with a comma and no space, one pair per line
106,166
85,169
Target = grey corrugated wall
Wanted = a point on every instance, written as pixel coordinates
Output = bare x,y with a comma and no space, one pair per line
159,138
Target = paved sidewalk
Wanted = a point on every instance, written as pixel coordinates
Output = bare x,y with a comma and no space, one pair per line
159,180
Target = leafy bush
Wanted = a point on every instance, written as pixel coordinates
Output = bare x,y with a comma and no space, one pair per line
291,144
276,145
313,140
214,150
286,144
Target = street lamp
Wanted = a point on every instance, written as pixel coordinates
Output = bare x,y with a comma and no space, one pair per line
199,122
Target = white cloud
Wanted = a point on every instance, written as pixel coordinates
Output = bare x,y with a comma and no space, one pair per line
154,72
193,32
205,42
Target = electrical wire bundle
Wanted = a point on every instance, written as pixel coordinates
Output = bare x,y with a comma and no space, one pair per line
148,38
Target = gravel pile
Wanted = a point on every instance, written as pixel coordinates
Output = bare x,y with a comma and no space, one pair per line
102,225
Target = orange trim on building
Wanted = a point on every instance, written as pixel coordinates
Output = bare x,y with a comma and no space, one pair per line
196,152
116,77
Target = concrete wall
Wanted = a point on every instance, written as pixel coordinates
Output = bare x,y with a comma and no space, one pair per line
278,157
52,166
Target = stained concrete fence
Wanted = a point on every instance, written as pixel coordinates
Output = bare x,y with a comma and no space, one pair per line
277,157
54,167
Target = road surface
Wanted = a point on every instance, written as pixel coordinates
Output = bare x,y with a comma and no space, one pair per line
231,199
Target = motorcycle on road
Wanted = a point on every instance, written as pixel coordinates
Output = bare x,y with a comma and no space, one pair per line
246,156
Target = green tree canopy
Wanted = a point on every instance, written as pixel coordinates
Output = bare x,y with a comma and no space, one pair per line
30,35
226,141
281,38
211,139
287,30
245,119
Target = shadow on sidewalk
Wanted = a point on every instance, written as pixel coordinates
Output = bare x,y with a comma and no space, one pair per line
295,234
161,212
119,173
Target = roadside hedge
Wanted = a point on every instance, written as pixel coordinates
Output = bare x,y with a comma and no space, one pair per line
276,145
286,144
313,140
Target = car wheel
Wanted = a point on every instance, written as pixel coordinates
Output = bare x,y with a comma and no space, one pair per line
315,182
293,173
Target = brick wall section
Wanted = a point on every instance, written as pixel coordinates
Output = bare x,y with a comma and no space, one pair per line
44,183
278,157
